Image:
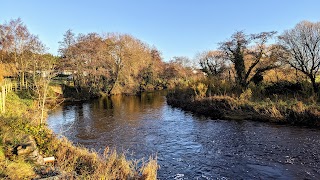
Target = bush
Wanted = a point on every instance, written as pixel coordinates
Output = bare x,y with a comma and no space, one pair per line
283,88
200,89
246,95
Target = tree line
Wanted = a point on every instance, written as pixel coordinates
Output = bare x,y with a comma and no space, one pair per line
248,58
111,63
23,57
116,63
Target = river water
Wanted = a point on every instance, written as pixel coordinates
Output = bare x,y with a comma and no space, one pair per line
189,146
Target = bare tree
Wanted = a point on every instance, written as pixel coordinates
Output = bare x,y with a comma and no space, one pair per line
15,39
68,41
43,68
246,52
213,63
179,67
182,60
302,44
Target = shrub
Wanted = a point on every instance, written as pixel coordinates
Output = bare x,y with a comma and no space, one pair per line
246,95
200,90
284,87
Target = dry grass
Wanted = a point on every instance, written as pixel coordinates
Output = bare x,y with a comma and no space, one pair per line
273,112
19,170
89,165
148,171
77,162
290,111
2,163
299,107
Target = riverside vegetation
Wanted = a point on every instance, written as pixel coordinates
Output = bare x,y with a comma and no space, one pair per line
249,107
21,121
246,78
250,79
89,65
25,138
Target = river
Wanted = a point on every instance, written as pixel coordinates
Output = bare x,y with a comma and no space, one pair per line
189,146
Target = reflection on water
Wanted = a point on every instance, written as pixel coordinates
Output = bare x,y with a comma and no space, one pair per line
190,147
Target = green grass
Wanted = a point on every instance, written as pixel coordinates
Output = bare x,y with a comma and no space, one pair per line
16,106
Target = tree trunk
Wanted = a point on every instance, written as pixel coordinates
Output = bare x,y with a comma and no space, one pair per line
314,84
43,102
240,69
114,84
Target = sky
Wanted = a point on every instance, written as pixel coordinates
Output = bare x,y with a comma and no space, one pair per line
175,27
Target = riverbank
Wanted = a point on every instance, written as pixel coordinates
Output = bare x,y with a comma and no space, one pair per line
290,111
24,144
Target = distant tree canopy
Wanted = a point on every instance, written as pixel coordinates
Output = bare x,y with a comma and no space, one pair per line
113,64
120,63
179,67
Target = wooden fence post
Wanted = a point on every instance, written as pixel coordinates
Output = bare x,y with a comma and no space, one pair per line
3,100
6,87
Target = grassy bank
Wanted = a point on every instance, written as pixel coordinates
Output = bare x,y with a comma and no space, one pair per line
19,127
290,111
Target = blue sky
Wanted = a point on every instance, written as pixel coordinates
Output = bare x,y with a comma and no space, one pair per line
175,27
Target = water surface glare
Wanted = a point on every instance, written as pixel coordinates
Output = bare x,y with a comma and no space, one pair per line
189,146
